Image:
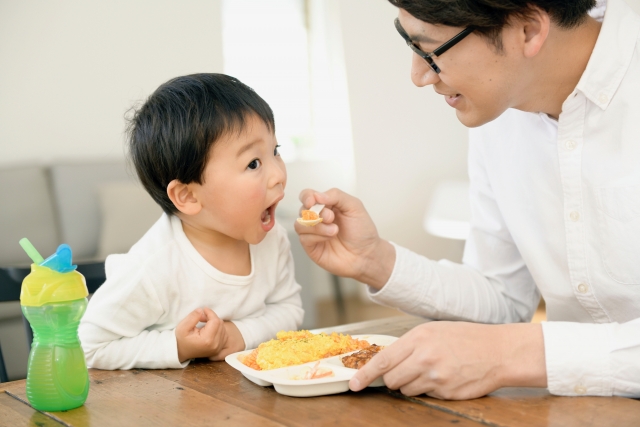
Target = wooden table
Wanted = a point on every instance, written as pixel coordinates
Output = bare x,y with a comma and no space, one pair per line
213,393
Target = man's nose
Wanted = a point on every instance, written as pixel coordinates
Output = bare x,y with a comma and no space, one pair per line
421,73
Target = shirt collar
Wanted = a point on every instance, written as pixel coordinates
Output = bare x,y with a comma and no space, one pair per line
611,55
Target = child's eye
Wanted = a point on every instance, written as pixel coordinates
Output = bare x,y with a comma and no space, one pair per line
275,151
254,164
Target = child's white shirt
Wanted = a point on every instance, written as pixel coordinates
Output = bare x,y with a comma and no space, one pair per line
130,321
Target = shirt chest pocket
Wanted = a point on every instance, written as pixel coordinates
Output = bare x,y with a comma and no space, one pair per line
619,229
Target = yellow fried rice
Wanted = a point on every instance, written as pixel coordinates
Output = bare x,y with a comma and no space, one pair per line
297,347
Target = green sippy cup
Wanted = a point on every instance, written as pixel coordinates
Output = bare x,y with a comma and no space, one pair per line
53,299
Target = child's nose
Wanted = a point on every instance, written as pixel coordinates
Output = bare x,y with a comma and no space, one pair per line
278,174
421,73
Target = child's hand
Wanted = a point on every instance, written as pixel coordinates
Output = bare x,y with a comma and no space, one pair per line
212,340
235,342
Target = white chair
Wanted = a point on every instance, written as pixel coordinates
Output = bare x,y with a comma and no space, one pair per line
448,214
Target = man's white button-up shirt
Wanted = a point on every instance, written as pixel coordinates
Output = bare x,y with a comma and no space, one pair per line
555,211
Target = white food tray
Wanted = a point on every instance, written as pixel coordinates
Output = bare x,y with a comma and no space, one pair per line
284,379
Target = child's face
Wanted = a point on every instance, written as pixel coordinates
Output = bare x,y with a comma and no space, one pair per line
243,182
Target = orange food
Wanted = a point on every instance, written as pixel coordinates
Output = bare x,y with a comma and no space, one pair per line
309,215
298,347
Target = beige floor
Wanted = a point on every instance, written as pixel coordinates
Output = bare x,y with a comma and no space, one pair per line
357,310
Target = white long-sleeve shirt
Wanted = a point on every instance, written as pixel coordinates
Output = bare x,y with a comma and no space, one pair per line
555,211
130,321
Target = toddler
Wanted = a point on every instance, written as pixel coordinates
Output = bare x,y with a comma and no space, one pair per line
214,275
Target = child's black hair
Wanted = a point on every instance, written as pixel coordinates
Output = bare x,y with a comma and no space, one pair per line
170,136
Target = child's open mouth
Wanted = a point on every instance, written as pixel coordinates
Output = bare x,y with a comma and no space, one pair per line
268,218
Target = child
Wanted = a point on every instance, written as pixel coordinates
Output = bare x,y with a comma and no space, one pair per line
204,148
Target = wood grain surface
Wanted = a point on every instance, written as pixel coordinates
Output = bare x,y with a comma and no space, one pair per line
213,393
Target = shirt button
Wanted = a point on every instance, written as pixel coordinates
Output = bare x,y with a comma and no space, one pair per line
575,216
579,389
603,98
571,144
582,288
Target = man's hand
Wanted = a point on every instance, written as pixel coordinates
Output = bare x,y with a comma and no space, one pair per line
458,360
214,340
346,242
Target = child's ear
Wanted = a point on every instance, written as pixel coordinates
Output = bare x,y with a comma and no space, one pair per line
183,197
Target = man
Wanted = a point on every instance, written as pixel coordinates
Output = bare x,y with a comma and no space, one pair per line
553,96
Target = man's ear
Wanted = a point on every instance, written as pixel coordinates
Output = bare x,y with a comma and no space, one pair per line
535,28
183,197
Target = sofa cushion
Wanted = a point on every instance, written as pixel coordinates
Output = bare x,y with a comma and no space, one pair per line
76,191
127,212
26,210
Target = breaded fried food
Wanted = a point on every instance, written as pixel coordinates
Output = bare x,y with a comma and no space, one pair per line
297,347
360,358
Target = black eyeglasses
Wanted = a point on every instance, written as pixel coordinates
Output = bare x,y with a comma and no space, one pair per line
437,51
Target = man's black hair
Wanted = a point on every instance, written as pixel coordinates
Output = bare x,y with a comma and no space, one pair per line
488,17
170,136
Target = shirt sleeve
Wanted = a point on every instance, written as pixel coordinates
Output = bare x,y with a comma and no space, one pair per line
283,305
114,335
493,285
593,359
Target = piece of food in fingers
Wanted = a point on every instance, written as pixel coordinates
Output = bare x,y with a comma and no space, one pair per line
309,215
309,218
360,358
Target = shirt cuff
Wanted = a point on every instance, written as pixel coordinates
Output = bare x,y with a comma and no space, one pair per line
171,350
577,358
407,285
251,341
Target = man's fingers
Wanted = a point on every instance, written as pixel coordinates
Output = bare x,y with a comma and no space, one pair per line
417,387
322,229
407,376
331,198
380,364
338,199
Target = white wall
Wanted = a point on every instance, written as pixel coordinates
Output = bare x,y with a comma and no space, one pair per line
71,68
405,138
635,5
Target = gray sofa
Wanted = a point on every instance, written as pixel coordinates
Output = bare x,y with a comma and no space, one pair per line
96,207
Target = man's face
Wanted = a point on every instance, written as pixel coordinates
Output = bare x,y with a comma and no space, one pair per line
475,79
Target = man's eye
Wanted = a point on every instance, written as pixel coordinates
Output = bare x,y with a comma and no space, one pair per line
254,164
275,151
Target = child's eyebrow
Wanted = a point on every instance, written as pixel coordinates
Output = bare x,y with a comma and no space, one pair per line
246,147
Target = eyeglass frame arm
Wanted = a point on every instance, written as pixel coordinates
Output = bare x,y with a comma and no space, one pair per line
452,42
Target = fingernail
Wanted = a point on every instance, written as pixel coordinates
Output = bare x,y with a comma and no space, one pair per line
354,384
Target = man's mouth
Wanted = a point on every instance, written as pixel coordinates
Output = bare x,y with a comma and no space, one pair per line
453,100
